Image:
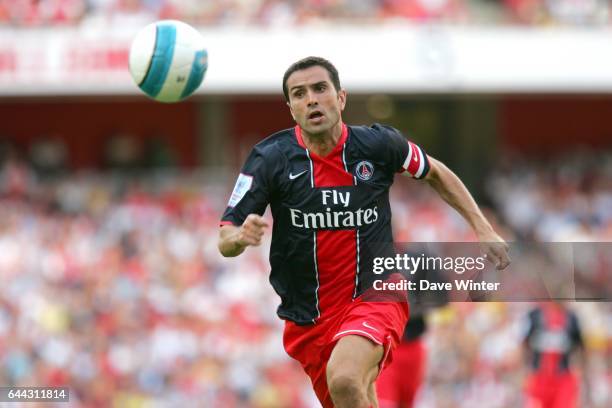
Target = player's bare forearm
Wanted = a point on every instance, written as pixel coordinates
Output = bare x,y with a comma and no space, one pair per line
233,240
452,190
228,241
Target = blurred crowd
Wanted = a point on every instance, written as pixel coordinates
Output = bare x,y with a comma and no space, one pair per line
116,288
112,284
35,13
572,194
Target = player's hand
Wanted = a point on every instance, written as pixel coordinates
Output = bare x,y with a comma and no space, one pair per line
252,230
495,250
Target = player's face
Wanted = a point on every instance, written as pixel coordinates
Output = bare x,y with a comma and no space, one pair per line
315,104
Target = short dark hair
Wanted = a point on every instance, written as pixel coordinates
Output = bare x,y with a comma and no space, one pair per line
308,62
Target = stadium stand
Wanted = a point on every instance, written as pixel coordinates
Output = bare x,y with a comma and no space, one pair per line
112,284
27,13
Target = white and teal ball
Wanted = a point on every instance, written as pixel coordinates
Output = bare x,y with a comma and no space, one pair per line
168,60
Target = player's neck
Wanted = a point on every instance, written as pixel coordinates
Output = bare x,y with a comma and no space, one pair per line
322,144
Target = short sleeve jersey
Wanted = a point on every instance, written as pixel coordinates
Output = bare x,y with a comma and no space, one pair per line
552,335
329,212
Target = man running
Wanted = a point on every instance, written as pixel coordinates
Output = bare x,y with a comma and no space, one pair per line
327,185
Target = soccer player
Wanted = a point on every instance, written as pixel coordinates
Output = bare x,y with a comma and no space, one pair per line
327,185
553,336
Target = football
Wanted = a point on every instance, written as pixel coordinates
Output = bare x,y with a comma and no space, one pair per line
168,60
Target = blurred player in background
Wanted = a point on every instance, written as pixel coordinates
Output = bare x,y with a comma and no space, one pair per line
553,338
398,384
327,185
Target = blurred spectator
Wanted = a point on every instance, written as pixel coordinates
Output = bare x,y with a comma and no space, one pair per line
572,195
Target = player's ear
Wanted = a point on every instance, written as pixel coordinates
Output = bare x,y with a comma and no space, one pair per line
290,110
342,98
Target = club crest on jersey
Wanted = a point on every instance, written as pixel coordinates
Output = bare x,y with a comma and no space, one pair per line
364,170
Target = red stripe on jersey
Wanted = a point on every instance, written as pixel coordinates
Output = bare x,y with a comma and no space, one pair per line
337,262
329,170
336,250
415,160
343,137
554,316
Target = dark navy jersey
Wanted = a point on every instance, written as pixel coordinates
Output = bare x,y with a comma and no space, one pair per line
553,333
329,212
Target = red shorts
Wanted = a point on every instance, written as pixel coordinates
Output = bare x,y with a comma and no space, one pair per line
381,322
552,391
398,384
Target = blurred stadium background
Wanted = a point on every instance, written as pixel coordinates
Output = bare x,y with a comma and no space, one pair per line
111,282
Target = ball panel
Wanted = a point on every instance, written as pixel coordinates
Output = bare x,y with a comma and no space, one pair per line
174,85
198,57
178,74
161,60
198,69
141,52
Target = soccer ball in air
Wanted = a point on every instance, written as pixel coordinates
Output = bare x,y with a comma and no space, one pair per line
168,60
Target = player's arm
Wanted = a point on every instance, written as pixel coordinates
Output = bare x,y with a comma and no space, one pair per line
452,190
242,223
233,240
410,159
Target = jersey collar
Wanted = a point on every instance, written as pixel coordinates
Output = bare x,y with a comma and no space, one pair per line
343,136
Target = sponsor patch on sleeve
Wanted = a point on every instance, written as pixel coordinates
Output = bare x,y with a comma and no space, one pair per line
243,185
